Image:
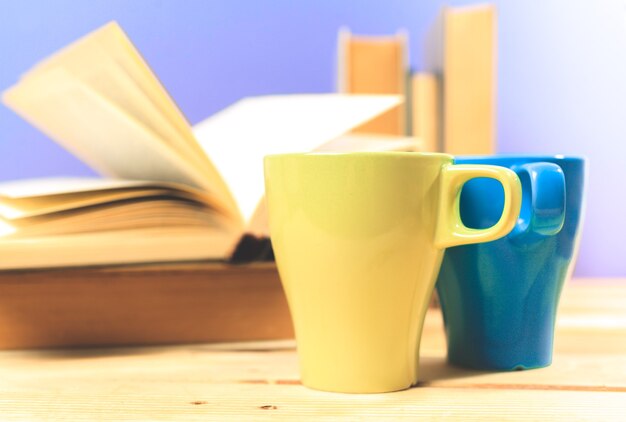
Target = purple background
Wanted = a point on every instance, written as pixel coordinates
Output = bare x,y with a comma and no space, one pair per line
562,70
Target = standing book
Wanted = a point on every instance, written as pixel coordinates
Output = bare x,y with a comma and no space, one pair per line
425,110
375,65
461,47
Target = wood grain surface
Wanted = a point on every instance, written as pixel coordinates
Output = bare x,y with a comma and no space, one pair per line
259,380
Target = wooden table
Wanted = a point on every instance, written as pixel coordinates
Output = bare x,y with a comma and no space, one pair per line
260,380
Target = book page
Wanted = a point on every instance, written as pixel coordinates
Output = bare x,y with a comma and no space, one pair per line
107,66
20,198
238,137
102,135
31,197
117,247
53,186
110,45
125,79
154,212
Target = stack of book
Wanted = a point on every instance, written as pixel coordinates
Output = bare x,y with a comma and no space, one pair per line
165,247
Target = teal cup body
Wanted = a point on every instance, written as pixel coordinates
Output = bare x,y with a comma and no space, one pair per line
499,299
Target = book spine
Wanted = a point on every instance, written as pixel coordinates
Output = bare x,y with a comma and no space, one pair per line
425,111
375,65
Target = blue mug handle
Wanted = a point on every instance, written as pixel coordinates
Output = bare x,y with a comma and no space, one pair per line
543,202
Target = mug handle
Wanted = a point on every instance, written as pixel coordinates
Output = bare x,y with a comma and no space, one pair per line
543,202
450,230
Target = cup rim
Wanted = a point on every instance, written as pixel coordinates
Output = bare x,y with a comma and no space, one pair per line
557,157
412,154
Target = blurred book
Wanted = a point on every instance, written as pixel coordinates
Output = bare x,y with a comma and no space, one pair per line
171,193
461,48
166,303
375,65
426,111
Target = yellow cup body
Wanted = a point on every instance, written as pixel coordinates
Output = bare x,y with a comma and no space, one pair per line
358,240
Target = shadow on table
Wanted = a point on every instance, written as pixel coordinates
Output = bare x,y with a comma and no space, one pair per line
121,351
88,352
437,368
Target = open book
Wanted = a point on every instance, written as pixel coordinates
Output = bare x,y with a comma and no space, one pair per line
170,192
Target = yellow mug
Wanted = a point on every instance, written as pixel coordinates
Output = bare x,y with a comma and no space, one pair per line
358,240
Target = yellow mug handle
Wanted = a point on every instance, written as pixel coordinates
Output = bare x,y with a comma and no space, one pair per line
450,230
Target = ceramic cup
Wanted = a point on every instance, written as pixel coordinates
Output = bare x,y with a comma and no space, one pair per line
499,299
358,240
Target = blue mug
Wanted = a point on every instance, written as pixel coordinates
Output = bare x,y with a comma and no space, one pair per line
499,299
